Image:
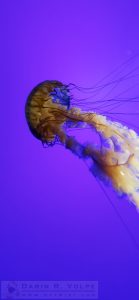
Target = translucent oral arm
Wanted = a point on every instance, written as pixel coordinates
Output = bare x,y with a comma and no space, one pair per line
118,157
117,160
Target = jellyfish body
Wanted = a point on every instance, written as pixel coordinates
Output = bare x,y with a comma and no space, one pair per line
49,113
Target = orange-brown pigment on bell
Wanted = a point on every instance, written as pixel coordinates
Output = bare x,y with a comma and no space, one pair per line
44,116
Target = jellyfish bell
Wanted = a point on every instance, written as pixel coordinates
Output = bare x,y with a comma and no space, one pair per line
44,110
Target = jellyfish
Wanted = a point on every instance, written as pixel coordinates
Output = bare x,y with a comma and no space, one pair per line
50,113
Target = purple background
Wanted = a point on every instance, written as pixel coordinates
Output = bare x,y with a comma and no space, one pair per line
55,221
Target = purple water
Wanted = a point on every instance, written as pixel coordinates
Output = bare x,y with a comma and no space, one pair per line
56,223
